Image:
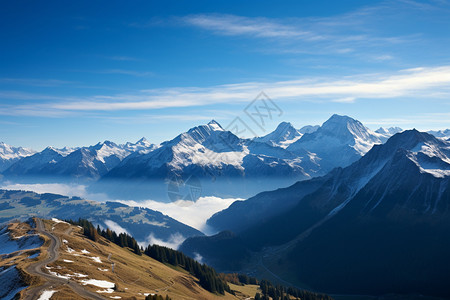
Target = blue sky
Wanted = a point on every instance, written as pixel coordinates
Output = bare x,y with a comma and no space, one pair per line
75,73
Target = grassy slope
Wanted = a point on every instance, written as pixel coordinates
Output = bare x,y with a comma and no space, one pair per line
134,275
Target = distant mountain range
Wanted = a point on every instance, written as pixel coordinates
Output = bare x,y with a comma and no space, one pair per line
140,222
9,155
207,152
377,226
85,162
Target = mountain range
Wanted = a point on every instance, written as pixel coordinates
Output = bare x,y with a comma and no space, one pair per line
208,152
377,226
336,208
9,155
85,162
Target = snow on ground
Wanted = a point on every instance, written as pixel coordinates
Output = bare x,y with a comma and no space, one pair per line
46,295
115,297
96,259
59,275
84,251
79,275
70,250
98,283
59,221
65,241
103,270
67,261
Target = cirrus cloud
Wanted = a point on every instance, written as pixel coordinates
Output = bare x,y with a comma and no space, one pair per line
419,82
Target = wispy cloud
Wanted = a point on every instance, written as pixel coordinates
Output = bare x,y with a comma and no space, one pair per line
417,82
362,31
340,34
256,27
35,82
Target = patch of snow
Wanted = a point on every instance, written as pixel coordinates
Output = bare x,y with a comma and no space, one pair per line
65,241
79,275
98,283
115,297
103,270
46,295
96,259
59,221
59,275
84,251
67,261
70,250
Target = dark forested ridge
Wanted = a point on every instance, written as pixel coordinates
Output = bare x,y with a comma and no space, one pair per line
279,292
378,226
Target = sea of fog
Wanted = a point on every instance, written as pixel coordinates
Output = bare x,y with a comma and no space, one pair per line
193,213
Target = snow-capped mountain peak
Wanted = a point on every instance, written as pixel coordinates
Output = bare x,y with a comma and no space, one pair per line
388,131
10,154
214,125
107,149
211,133
284,135
309,129
445,134
143,141
344,128
430,154
340,141
141,146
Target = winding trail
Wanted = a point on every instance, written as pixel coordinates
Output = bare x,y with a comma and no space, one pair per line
52,281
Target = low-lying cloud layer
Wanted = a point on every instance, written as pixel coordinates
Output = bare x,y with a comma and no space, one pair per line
193,214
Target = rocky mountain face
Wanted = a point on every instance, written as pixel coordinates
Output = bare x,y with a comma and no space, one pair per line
368,227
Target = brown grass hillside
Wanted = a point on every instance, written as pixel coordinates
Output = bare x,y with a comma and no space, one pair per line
134,276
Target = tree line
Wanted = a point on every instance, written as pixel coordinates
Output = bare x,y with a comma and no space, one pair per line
207,276
123,240
238,279
279,292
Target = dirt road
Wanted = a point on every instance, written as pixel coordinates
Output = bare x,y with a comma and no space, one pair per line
52,281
